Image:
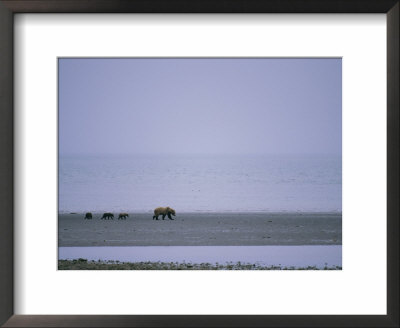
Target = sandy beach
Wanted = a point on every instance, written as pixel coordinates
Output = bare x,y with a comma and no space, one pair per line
202,229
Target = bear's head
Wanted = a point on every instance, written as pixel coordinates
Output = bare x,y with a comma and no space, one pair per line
171,210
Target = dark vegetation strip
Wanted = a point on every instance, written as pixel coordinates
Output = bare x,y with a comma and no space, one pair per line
83,264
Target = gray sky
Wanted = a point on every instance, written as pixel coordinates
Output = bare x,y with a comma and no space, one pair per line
199,106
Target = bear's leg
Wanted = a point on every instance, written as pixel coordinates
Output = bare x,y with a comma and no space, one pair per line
163,216
169,215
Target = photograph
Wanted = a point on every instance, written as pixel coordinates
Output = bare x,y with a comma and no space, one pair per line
199,163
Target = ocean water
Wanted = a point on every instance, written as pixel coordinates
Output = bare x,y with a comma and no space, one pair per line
200,183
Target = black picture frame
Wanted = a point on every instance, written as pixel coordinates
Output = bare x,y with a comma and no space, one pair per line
10,7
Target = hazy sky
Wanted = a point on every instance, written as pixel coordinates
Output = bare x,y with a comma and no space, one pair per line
240,106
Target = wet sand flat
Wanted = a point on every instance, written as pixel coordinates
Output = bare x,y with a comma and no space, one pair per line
202,229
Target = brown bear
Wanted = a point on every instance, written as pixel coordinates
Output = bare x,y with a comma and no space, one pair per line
164,211
88,216
122,216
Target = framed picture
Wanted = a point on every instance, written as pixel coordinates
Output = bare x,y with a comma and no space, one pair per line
216,157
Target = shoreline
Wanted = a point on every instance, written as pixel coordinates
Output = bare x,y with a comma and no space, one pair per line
296,256
84,264
295,212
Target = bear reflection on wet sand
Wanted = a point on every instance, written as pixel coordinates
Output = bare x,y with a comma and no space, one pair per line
164,211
